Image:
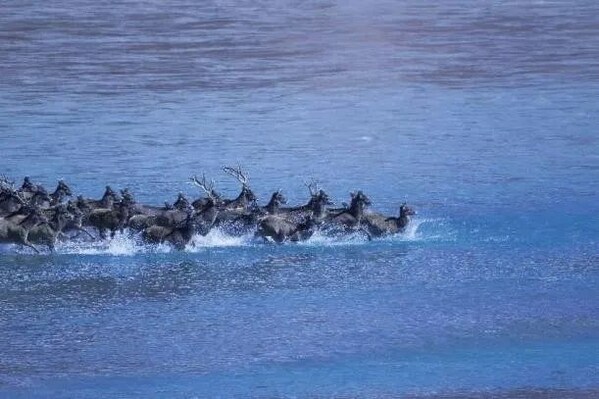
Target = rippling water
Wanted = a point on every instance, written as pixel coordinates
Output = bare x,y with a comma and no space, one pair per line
483,115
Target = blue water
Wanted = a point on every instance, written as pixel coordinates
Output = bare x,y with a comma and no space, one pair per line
483,116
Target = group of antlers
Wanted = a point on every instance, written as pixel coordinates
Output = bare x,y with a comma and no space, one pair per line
9,185
242,177
313,187
6,183
204,185
208,187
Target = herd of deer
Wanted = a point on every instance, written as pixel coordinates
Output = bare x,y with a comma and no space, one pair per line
31,216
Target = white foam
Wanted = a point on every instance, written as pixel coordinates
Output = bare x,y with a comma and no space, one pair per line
412,234
120,245
441,231
322,239
126,244
217,238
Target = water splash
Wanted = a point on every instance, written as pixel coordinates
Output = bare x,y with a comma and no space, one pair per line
426,229
436,230
322,239
123,244
216,239
126,244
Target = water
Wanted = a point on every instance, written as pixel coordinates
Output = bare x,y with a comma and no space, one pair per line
484,116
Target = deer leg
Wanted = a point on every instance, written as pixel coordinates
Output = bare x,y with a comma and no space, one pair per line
368,235
85,231
30,245
280,237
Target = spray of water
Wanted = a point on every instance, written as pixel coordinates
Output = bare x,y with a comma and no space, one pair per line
126,244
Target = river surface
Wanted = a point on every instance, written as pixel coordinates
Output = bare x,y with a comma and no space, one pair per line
482,115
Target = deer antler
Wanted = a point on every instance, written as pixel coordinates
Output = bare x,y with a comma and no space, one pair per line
207,187
6,183
9,185
18,196
238,174
312,187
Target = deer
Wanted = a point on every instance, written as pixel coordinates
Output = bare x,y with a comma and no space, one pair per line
47,233
278,229
109,198
274,205
207,215
75,222
12,233
40,198
111,219
285,226
61,192
351,218
379,225
316,206
11,200
143,216
246,197
254,217
28,188
182,203
231,210
178,236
